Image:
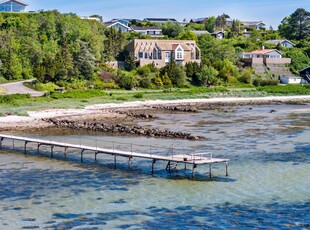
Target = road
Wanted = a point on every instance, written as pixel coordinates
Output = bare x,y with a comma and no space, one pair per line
18,87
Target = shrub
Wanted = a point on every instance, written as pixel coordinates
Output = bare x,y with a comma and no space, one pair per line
288,89
78,94
126,80
138,95
11,99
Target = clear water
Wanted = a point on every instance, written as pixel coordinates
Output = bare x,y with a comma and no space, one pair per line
268,186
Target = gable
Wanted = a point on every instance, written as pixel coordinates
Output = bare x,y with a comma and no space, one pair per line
16,1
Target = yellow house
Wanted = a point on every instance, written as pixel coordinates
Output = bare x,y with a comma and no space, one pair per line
161,52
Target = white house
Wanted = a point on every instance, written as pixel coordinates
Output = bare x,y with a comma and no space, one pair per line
284,43
12,6
290,80
152,31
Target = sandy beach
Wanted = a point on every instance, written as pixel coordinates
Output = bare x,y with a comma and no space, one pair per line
34,118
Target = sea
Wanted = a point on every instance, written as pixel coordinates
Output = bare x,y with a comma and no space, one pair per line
268,187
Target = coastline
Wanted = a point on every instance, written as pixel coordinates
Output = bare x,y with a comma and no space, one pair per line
34,120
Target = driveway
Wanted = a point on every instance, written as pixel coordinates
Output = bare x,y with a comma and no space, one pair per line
18,87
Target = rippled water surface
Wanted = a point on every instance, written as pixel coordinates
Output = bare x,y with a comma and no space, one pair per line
268,185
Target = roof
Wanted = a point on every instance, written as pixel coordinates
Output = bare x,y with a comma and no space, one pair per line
252,23
17,1
161,19
276,42
264,51
217,32
198,19
200,32
148,44
145,28
110,24
308,67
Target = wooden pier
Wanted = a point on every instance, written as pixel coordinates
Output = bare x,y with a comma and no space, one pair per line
194,159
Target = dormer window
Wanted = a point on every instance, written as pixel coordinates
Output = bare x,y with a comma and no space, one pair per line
179,53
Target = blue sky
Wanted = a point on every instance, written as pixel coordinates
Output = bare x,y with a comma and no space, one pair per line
269,11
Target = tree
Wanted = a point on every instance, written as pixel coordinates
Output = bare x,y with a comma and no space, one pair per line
296,26
126,80
172,29
187,35
221,20
210,24
207,76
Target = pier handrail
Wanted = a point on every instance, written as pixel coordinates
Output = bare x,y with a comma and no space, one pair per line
198,156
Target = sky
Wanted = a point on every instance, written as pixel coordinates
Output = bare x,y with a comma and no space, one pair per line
269,11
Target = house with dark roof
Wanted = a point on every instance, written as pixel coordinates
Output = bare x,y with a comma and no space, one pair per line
218,34
148,30
12,6
160,20
258,25
199,20
283,42
161,52
305,74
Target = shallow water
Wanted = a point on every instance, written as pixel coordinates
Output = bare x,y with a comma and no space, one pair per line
268,185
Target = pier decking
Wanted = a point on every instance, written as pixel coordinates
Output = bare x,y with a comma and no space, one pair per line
191,159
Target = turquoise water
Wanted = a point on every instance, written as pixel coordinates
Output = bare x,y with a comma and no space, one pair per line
268,185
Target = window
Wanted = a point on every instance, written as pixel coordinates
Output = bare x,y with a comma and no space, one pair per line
140,54
179,53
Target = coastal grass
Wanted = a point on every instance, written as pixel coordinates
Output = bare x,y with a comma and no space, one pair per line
19,104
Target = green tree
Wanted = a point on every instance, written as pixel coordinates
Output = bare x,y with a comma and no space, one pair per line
296,26
188,35
207,76
171,29
210,24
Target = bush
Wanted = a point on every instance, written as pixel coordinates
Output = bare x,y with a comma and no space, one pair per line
265,82
78,94
138,95
288,89
11,99
126,80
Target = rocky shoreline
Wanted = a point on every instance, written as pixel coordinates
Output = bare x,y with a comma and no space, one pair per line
118,128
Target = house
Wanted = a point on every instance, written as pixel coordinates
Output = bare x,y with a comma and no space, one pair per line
199,20
118,26
200,32
284,43
255,25
290,80
90,18
305,74
218,34
264,56
161,52
122,21
152,31
160,20
12,6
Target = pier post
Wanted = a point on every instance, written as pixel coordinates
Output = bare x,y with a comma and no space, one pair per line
13,143
25,147
168,167
96,153
210,170
1,142
193,170
153,162
129,159
82,155
38,148
52,151
65,151
115,161
226,168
